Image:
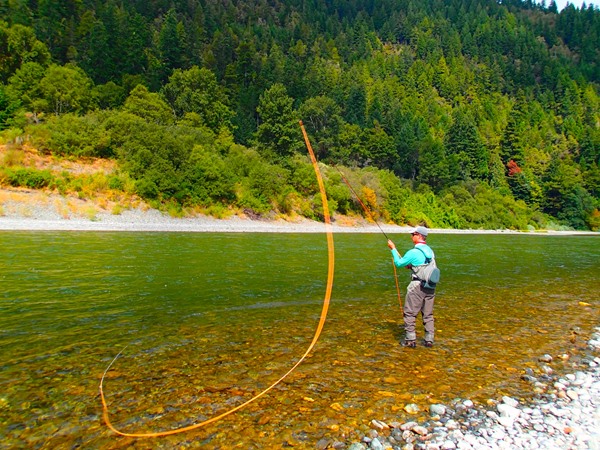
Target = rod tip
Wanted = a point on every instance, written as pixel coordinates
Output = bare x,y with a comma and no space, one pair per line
300,122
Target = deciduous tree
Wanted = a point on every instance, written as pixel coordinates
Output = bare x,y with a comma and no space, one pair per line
149,106
278,134
196,91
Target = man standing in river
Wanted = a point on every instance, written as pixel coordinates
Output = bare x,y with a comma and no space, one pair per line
419,299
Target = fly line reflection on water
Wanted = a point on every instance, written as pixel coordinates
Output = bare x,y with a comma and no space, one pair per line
211,319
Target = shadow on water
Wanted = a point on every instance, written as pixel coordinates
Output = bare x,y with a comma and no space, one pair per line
210,320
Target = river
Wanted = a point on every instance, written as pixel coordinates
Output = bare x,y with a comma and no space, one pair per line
207,320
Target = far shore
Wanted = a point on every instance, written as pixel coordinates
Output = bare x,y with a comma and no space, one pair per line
155,221
31,210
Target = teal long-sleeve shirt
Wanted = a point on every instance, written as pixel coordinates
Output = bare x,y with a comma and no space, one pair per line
413,256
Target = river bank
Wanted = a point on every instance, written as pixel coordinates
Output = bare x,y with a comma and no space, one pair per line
59,214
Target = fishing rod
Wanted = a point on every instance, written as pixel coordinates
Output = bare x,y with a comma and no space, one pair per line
376,223
361,202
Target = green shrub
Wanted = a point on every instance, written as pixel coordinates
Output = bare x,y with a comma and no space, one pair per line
115,182
30,178
218,211
10,135
13,156
208,178
146,188
72,135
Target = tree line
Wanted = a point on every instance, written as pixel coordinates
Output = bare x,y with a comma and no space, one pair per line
461,113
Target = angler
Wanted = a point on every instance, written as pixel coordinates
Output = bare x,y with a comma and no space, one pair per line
420,293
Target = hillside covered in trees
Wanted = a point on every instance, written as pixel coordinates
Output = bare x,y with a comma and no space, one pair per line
448,113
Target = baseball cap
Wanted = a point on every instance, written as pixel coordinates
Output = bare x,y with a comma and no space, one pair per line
421,230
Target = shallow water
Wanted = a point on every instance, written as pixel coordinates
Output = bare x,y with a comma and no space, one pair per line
206,321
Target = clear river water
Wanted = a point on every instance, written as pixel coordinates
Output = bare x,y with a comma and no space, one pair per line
207,320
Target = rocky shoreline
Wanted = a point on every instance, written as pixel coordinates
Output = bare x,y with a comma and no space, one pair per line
47,217
31,210
564,415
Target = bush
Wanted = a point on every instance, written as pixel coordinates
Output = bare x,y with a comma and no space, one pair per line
146,188
11,135
115,182
30,178
71,135
207,179
13,156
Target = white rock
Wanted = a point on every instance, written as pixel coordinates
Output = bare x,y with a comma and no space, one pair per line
472,440
432,446
375,444
547,370
408,425
457,435
378,425
498,433
510,401
558,412
420,430
464,445
437,410
408,436
492,414
452,424
506,410
554,423
506,422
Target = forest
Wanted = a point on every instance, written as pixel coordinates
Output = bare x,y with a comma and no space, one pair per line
478,114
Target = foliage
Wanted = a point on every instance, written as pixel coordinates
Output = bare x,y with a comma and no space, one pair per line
450,113
19,45
66,89
8,109
196,91
74,136
24,86
321,116
25,177
149,106
277,135
468,159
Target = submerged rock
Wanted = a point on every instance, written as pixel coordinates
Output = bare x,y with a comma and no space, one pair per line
412,408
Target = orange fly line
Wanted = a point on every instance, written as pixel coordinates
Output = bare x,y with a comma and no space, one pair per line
329,287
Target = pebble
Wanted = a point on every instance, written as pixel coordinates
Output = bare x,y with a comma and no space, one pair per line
412,408
564,416
437,410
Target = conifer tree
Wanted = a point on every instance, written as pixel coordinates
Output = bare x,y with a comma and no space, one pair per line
469,158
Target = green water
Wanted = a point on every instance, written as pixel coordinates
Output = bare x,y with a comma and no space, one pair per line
207,321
